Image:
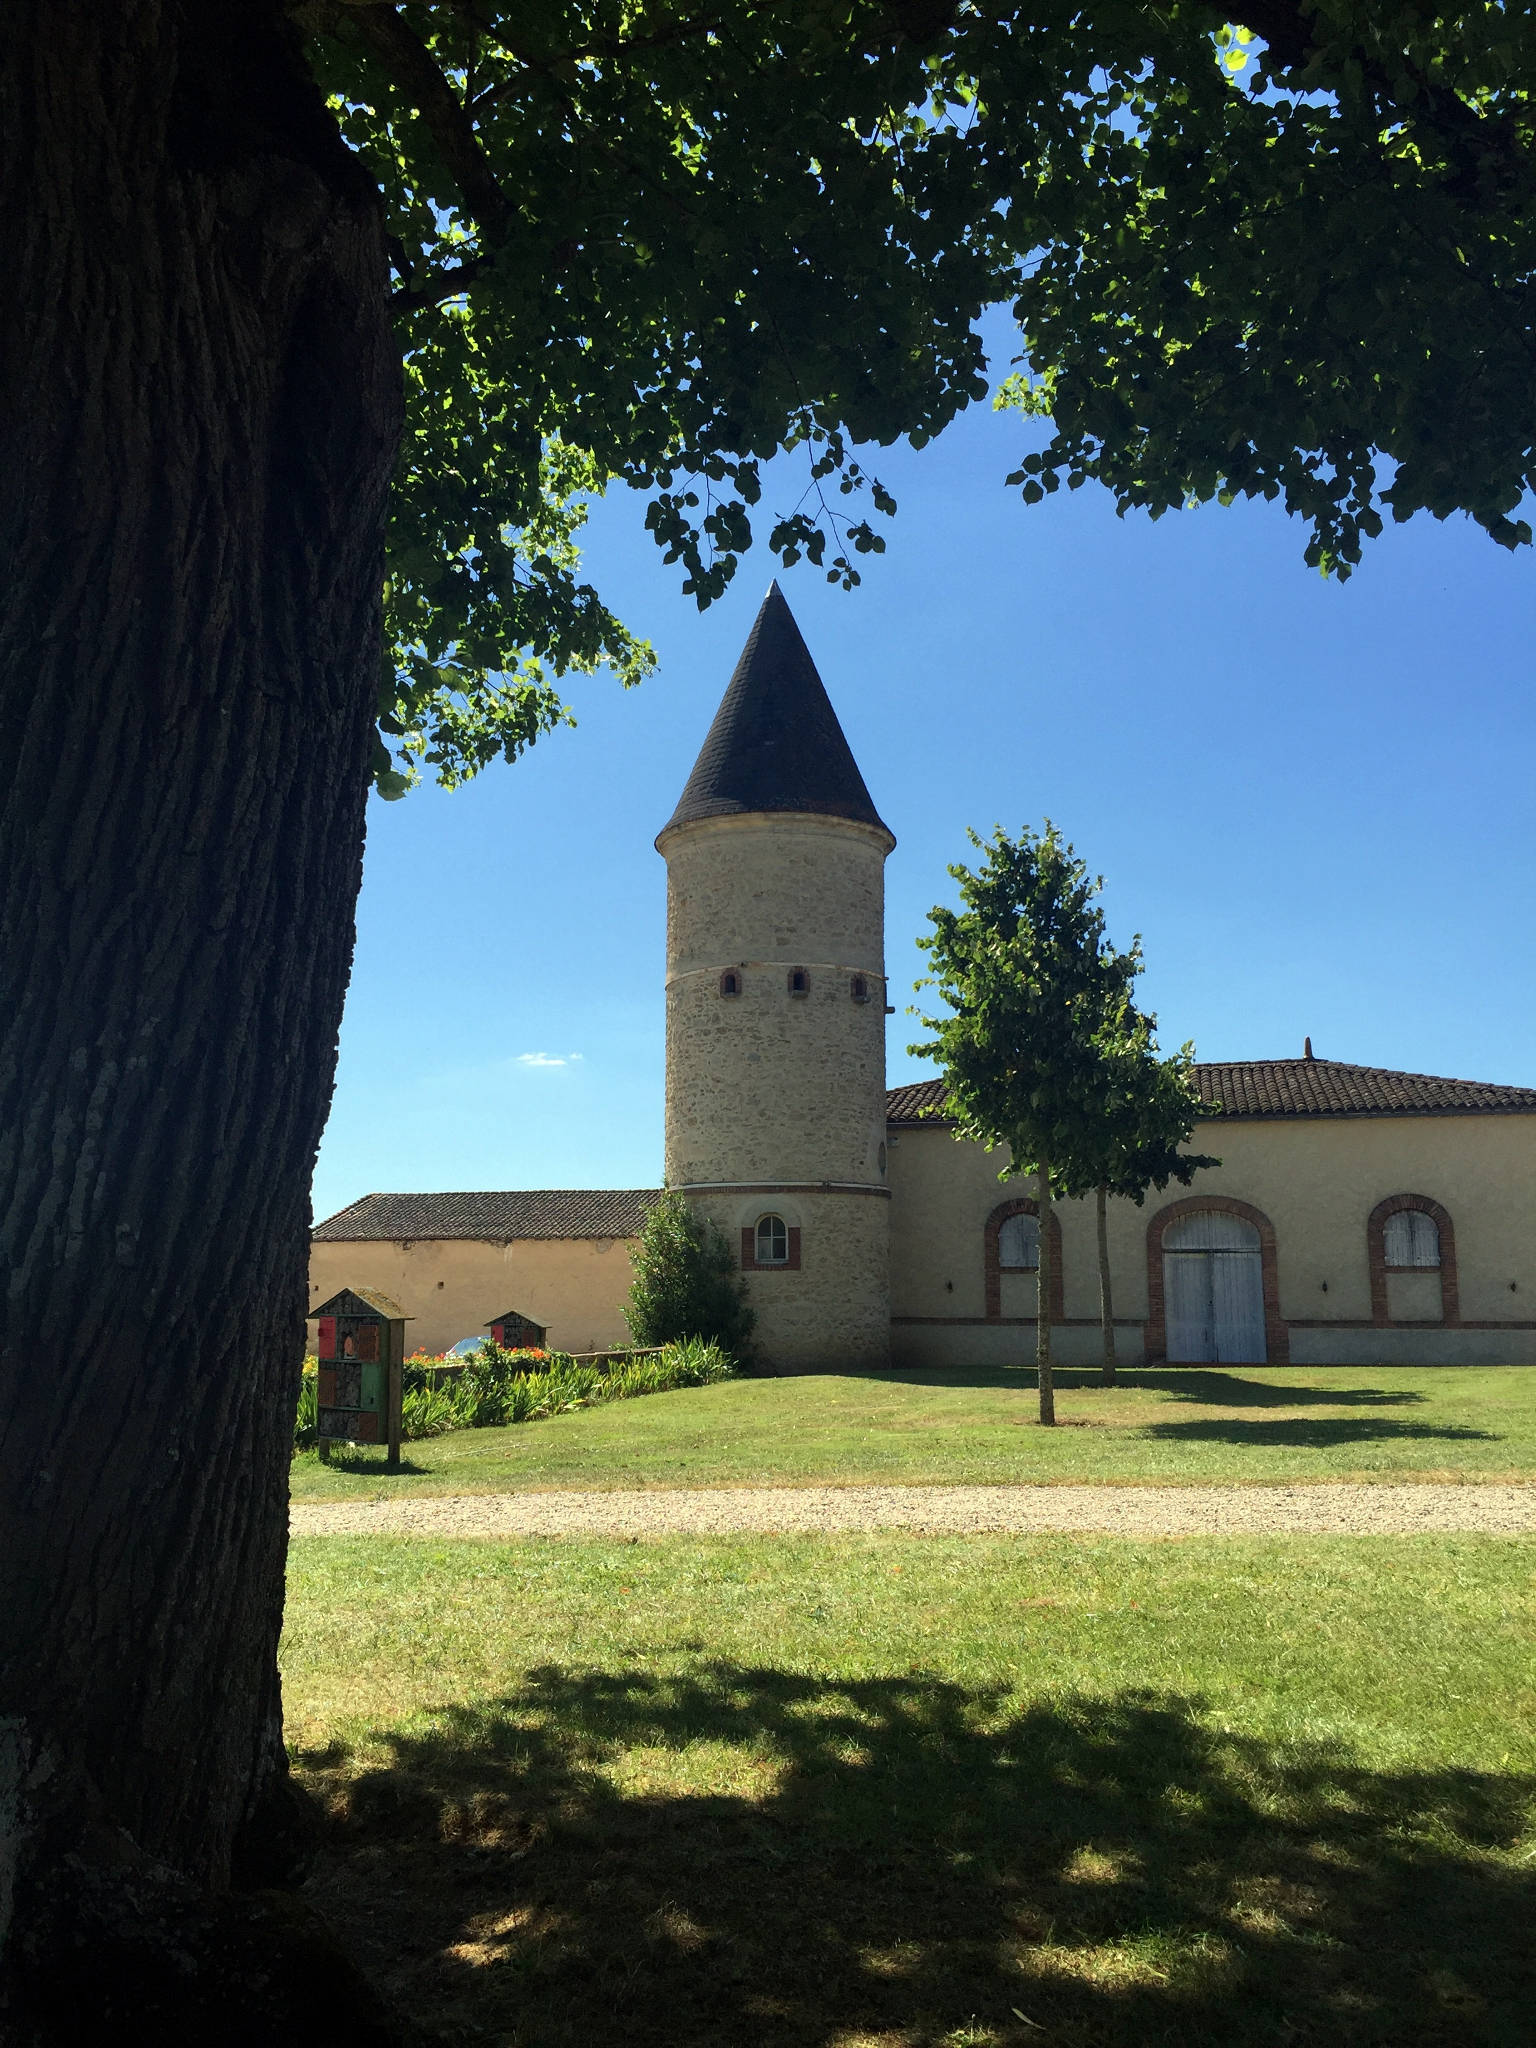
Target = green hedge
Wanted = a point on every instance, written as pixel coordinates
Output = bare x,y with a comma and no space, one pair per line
496,1387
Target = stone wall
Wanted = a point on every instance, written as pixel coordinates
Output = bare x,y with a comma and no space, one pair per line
775,1094
831,1313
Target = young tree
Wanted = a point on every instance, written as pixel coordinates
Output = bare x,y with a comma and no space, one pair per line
322,316
686,1282
1147,1109
1031,989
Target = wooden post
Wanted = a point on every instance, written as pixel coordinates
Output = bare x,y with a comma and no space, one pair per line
394,1395
1106,1299
1044,1277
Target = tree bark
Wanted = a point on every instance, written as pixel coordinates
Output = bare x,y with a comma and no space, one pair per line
1044,1282
1106,1295
199,412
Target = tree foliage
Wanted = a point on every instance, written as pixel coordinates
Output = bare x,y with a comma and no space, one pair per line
1032,991
1034,1000
1043,1048
686,1284
1288,257
1146,1109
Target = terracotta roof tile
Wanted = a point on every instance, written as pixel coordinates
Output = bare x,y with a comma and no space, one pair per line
498,1216
1278,1088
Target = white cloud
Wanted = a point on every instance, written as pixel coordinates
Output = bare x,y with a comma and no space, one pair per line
542,1059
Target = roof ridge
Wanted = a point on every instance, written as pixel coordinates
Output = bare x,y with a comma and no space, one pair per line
1303,1087
496,1214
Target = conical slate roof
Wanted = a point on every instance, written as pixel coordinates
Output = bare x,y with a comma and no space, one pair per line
775,744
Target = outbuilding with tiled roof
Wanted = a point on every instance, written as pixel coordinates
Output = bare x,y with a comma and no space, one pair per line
457,1258
1358,1214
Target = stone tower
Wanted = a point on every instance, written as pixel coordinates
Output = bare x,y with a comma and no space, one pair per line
776,1000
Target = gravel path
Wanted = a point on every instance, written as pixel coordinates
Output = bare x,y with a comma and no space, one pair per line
1148,1511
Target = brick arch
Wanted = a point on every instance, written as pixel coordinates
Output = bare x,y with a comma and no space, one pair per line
1277,1336
1376,1254
1021,1205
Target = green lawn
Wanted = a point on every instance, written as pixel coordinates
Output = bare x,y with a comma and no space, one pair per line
1170,1426
902,1792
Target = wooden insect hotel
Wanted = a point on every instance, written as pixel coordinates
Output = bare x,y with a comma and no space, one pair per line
514,1332
361,1347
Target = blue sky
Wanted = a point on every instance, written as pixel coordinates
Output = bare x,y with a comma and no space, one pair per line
1313,800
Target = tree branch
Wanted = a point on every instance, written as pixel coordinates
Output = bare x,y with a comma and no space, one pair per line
437,285
410,64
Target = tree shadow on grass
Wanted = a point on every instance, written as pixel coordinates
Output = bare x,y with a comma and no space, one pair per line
909,1863
362,1464
1227,1390
1223,1389
1316,1433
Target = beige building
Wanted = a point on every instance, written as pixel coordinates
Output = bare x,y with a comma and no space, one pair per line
1359,1216
456,1262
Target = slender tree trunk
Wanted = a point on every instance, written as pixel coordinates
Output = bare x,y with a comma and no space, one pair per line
1106,1295
199,412
1044,1284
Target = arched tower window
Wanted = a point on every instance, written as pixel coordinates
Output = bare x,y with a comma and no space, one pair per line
858,988
730,983
772,1247
799,982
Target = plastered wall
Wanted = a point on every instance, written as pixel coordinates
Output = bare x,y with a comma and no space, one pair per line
576,1287
1317,1181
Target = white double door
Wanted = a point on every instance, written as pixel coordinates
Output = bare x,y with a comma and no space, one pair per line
1213,1291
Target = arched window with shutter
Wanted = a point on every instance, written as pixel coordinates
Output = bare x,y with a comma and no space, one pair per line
1411,1251
1011,1263
1410,1241
1018,1244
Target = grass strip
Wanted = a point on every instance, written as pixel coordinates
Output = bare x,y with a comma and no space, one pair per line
1171,1426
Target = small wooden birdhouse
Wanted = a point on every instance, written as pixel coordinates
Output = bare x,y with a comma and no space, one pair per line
361,1346
514,1332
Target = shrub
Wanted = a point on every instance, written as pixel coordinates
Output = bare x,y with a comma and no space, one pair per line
686,1284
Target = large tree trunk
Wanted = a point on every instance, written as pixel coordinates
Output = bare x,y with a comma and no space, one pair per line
198,416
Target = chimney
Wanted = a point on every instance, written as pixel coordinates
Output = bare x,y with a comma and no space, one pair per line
1306,1048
